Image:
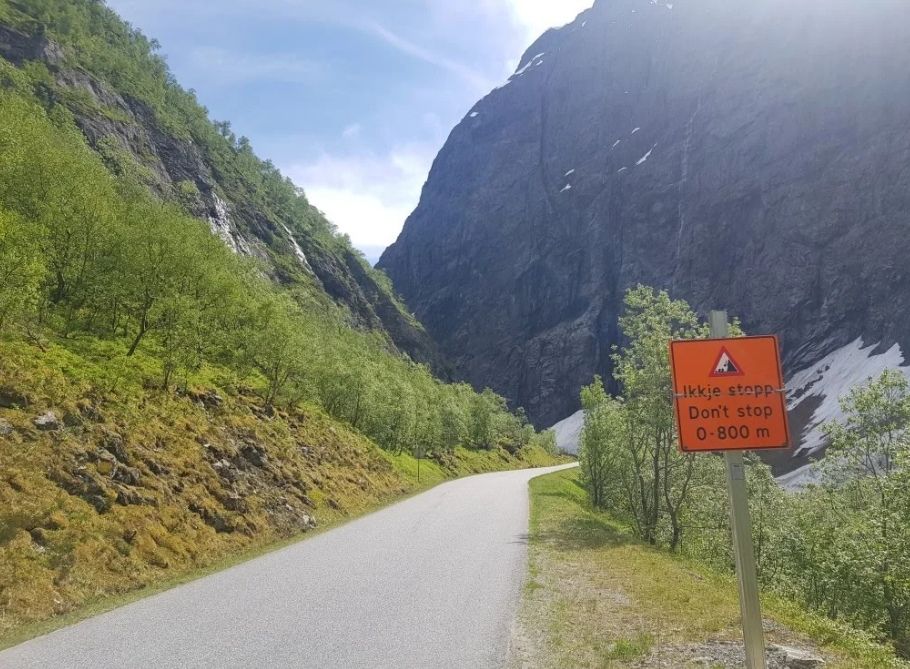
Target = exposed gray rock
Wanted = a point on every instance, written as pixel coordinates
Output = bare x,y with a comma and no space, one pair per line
18,48
126,475
113,444
795,658
47,421
6,428
747,156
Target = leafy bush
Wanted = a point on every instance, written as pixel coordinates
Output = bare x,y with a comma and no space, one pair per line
93,255
841,548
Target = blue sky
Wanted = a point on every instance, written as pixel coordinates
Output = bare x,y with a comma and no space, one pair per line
350,98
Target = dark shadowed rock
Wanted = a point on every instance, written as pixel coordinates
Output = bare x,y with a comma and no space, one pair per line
747,156
12,399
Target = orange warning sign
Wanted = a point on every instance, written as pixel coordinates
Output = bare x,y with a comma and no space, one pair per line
729,394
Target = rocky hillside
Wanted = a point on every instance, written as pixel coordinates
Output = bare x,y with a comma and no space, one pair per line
108,486
150,130
170,398
747,156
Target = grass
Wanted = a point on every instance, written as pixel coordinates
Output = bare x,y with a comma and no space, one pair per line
142,490
96,606
596,597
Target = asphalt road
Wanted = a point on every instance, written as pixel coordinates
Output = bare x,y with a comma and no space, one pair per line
433,581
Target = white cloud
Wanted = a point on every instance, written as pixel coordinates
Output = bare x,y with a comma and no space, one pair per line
352,131
460,70
229,68
536,16
368,196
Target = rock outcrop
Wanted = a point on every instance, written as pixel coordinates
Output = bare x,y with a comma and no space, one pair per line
747,156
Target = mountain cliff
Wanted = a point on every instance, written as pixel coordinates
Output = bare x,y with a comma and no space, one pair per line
747,156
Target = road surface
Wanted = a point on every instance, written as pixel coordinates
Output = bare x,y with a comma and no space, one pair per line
433,581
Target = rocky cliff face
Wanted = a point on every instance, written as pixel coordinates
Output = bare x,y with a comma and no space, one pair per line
747,156
132,140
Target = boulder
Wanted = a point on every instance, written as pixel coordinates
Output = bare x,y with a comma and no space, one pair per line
795,658
126,475
114,444
47,422
12,399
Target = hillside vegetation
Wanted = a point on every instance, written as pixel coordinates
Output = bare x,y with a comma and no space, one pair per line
839,548
81,59
111,485
165,401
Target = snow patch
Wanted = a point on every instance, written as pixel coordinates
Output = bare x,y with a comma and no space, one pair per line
536,60
833,377
800,478
621,169
568,432
636,130
615,144
569,173
566,187
825,383
474,114
646,156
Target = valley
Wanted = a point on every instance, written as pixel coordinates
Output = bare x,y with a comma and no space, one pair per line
227,438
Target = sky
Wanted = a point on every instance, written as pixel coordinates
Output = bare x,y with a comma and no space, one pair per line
352,99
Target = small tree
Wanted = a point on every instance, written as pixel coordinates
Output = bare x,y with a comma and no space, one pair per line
21,270
866,475
662,475
602,453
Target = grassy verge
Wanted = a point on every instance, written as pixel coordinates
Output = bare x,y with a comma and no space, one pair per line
595,597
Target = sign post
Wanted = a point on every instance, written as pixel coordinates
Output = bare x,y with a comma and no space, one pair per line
729,396
749,605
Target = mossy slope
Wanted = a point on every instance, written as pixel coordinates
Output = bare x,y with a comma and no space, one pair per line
134,486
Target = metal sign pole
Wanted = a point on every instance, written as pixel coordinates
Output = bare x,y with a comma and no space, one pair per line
749,604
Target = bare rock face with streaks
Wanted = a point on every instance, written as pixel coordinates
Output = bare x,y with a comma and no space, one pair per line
747,156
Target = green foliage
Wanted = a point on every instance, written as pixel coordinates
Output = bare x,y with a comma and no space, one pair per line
21,270
629,457
94,255
841,547
855,527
